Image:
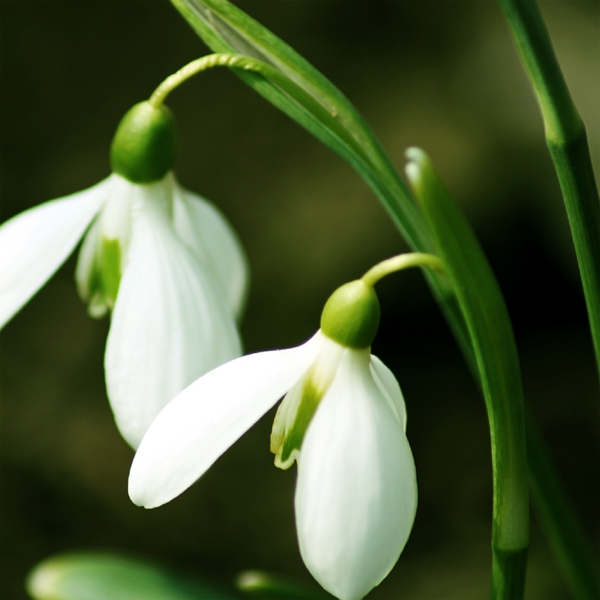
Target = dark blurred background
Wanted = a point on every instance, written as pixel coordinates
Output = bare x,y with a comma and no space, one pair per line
441,75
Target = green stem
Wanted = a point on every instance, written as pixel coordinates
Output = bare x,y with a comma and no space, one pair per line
401,262
567,142
574,167
226,59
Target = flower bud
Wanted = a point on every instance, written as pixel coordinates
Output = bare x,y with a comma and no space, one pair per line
351,315
143,149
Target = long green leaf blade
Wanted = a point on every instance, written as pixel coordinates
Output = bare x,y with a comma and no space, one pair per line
495,349
225,28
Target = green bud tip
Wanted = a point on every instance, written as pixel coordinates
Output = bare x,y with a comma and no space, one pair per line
351,315
143,149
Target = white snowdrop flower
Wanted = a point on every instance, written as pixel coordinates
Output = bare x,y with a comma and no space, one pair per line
342,419
164,260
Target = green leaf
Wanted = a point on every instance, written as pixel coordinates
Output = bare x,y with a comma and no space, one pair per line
495,350
102,576
225,28
322,109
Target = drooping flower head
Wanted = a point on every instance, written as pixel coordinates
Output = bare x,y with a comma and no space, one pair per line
163,260
342,420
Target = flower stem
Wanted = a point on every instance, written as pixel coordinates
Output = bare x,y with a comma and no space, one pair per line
197,66
400,262
567,141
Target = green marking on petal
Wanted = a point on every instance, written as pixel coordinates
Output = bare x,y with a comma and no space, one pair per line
292,440
110,269
99,283
298,408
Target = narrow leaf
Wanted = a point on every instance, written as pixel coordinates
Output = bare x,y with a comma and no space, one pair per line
491,332
336,122
323,110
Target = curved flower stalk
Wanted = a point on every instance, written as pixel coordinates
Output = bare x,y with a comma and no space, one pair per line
342,420
163,260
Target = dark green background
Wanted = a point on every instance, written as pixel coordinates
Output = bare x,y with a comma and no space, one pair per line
442,75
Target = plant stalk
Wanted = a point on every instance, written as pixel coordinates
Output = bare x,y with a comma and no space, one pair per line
567,141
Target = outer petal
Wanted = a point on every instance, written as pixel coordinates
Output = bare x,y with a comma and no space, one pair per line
388,384
170,324
35,243
204,228
195,428
356,494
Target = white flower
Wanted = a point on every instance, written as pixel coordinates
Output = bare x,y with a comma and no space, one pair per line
163,259
343,419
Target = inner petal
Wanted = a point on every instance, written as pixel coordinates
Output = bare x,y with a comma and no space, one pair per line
299,405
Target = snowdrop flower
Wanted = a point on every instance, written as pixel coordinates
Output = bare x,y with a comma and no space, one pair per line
162,259
342,420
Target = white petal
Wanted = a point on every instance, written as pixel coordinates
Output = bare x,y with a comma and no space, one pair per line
86,260
86,270
170,324
115,220
356,494
204,228
388,384
35,243
196,427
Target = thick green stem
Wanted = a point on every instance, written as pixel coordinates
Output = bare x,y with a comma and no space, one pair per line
567,141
